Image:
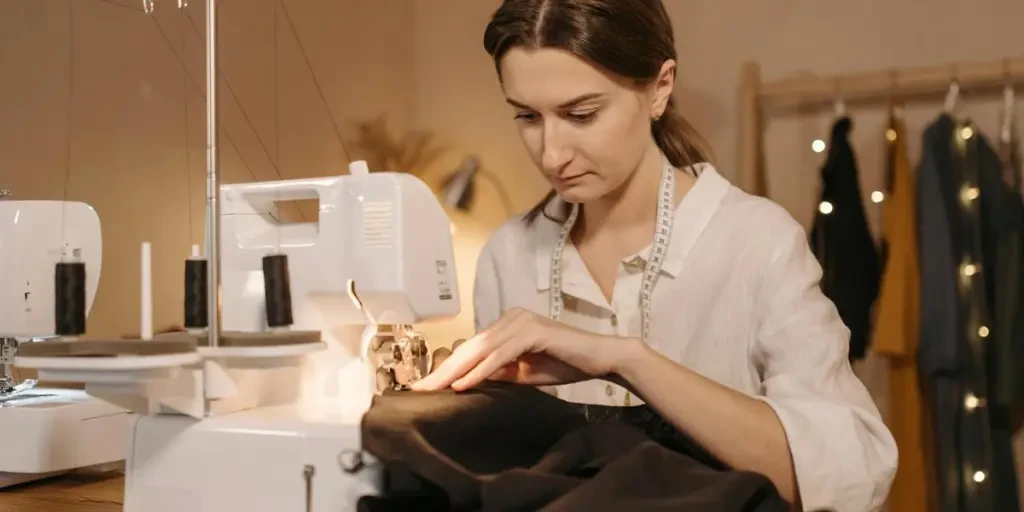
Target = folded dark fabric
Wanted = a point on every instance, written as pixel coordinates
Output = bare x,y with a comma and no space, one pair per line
506,447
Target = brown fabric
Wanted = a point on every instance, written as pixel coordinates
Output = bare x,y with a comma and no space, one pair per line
506,447
896,329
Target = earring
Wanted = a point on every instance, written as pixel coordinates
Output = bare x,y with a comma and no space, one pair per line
657,117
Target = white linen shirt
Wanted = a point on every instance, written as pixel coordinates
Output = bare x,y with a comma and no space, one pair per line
738,302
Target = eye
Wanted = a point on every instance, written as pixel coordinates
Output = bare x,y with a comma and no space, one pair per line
528,117
582,117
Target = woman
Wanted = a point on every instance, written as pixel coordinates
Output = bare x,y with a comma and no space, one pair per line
717,324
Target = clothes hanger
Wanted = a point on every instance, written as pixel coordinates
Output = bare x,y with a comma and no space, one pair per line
952,96
1009,104
839,105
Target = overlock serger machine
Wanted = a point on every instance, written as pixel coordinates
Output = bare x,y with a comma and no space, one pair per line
317,318
47,431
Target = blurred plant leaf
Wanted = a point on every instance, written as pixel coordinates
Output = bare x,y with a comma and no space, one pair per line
412,152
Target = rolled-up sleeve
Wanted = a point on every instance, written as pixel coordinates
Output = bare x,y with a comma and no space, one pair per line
843,453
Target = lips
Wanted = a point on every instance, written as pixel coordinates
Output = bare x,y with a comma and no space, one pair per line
573,177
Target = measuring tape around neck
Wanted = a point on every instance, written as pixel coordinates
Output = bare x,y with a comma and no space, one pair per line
659,250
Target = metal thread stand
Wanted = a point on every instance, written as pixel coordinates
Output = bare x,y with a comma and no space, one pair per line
212,190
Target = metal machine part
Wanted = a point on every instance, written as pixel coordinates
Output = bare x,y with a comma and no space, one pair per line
401,356
7,348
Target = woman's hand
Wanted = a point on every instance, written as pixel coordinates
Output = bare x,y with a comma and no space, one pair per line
526,348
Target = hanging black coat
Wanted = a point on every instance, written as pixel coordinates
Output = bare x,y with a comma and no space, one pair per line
1008,317
960,192
842,242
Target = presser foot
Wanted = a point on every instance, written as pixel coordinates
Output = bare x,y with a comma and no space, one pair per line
8,393
9,385
402,357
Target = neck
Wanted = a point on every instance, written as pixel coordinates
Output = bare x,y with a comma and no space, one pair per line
633,205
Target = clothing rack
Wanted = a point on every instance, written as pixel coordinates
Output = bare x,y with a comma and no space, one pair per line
809,92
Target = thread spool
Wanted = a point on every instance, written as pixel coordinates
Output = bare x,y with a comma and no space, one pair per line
69,298
196,310
277,291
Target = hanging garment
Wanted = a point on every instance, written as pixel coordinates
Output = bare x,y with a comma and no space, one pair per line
1008,335
896,328
1009,283
508,447
958,188
842,242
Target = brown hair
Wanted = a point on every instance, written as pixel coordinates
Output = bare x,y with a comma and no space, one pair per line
629,38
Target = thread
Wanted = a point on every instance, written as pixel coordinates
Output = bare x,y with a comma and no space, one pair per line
146,292
277,290
69,298
196,310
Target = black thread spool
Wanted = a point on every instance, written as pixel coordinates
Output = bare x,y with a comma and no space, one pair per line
69,298
196,312
277,290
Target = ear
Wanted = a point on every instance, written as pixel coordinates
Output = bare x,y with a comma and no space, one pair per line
662,88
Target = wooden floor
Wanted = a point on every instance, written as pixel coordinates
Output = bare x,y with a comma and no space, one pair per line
72,493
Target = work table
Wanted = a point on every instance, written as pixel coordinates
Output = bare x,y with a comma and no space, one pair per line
71,493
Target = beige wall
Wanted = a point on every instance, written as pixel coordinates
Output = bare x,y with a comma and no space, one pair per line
128,131
419,61
713,39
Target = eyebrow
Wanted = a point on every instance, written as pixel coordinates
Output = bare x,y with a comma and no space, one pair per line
568,104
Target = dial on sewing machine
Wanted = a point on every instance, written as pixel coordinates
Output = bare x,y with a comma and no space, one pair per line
273,427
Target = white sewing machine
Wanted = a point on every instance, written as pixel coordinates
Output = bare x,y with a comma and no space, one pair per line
283,422
45,431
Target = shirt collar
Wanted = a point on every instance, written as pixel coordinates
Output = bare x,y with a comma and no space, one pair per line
692,216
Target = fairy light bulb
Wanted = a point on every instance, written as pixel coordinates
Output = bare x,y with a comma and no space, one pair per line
818,146
971,402
967,132
983,331
979,476
877,196
969,269
968,194
825,207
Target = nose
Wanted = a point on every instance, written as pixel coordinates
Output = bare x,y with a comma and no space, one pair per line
556,151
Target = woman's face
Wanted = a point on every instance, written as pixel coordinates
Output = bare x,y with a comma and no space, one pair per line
586,130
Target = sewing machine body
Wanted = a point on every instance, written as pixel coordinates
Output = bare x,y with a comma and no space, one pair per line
384,232
263,459
268,428
48,431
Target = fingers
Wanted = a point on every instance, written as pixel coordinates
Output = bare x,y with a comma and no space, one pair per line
493,363
509,373
485,349
456,365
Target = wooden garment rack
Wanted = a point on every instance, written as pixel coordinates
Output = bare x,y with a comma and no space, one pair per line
758,100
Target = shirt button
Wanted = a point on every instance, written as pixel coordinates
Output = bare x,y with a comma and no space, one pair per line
615,320
635,265
608,390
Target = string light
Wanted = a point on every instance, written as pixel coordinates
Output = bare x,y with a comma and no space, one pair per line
825,207
969,269
890,135
967,132
877,196
971,402
818,146
968,194
983,331
979,476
